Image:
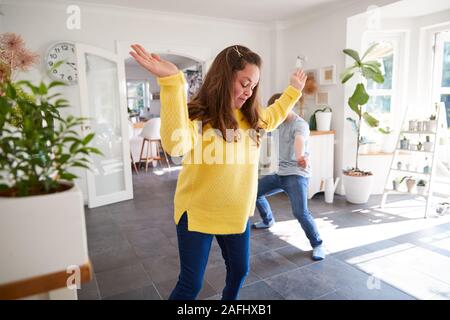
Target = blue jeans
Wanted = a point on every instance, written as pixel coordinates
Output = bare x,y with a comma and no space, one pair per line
194,250
296,188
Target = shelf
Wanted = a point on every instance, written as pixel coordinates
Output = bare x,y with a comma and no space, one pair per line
419,132
407,150
405,192
414,172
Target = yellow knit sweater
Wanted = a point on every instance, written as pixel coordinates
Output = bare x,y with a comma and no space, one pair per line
218,183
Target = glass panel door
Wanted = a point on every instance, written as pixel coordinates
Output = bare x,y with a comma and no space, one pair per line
103,101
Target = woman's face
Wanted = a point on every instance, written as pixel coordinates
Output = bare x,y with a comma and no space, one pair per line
245,81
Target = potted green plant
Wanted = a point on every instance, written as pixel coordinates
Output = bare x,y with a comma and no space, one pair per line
428,145
421,186
42,226
396,183
321,119
357,182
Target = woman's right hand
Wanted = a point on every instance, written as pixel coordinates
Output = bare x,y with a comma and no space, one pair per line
152,62
298,79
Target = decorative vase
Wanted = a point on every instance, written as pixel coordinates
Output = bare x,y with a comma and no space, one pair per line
404,144
410,183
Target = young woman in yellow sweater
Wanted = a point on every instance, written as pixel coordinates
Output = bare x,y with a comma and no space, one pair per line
218,135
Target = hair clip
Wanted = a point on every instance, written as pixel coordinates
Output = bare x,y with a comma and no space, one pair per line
236,49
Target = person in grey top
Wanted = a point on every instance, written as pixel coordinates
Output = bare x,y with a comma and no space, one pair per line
292,178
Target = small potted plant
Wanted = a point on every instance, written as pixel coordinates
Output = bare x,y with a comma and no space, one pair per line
404,144
321,119
421,186
396,184
419,146
432,123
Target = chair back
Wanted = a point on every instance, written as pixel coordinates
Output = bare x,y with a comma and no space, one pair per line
151,129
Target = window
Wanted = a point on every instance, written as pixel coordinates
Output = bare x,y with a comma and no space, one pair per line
385,98
442,71
138,95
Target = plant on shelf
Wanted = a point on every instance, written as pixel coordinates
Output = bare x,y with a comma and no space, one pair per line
366,68
313,120
421,186
398,181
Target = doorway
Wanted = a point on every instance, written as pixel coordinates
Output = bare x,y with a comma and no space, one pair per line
143,105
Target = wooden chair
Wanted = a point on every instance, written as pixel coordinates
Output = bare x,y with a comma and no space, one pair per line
150,133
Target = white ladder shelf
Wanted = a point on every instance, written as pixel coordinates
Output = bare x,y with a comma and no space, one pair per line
411,153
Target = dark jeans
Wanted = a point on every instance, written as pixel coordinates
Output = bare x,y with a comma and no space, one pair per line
296,188
194,250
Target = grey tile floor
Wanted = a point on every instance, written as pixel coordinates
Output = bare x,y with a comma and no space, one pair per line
373,253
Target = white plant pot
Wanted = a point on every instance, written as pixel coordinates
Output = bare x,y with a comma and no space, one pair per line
428,146
357,189
40,235
421,189
389,142
323,121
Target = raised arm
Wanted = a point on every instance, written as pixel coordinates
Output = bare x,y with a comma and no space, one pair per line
178,132
275,114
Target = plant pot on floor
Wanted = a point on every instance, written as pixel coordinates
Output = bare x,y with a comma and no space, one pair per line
323,121
41,235
357,188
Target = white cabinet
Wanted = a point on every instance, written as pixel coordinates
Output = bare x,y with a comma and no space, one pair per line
321,149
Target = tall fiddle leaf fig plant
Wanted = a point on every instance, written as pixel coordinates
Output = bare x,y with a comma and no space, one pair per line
368,70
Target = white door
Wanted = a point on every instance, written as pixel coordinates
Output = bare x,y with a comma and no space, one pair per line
103,100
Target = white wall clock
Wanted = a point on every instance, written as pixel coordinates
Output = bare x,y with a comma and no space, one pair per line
62,51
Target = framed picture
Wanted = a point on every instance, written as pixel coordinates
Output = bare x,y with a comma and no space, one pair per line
327,75
322,98
155,96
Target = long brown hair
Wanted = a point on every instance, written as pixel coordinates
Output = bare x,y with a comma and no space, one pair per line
212,103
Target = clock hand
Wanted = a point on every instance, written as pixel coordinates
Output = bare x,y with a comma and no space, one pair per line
71,64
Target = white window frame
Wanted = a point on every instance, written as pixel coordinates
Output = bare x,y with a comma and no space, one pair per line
439,38
399,41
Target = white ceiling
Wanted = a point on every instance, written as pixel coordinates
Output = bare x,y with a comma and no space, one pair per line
414,8
247,10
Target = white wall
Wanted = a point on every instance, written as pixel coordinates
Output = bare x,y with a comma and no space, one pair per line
41,23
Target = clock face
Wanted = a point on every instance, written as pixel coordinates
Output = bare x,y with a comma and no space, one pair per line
67,71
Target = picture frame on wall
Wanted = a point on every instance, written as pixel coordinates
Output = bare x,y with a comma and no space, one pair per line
327,75
322,98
